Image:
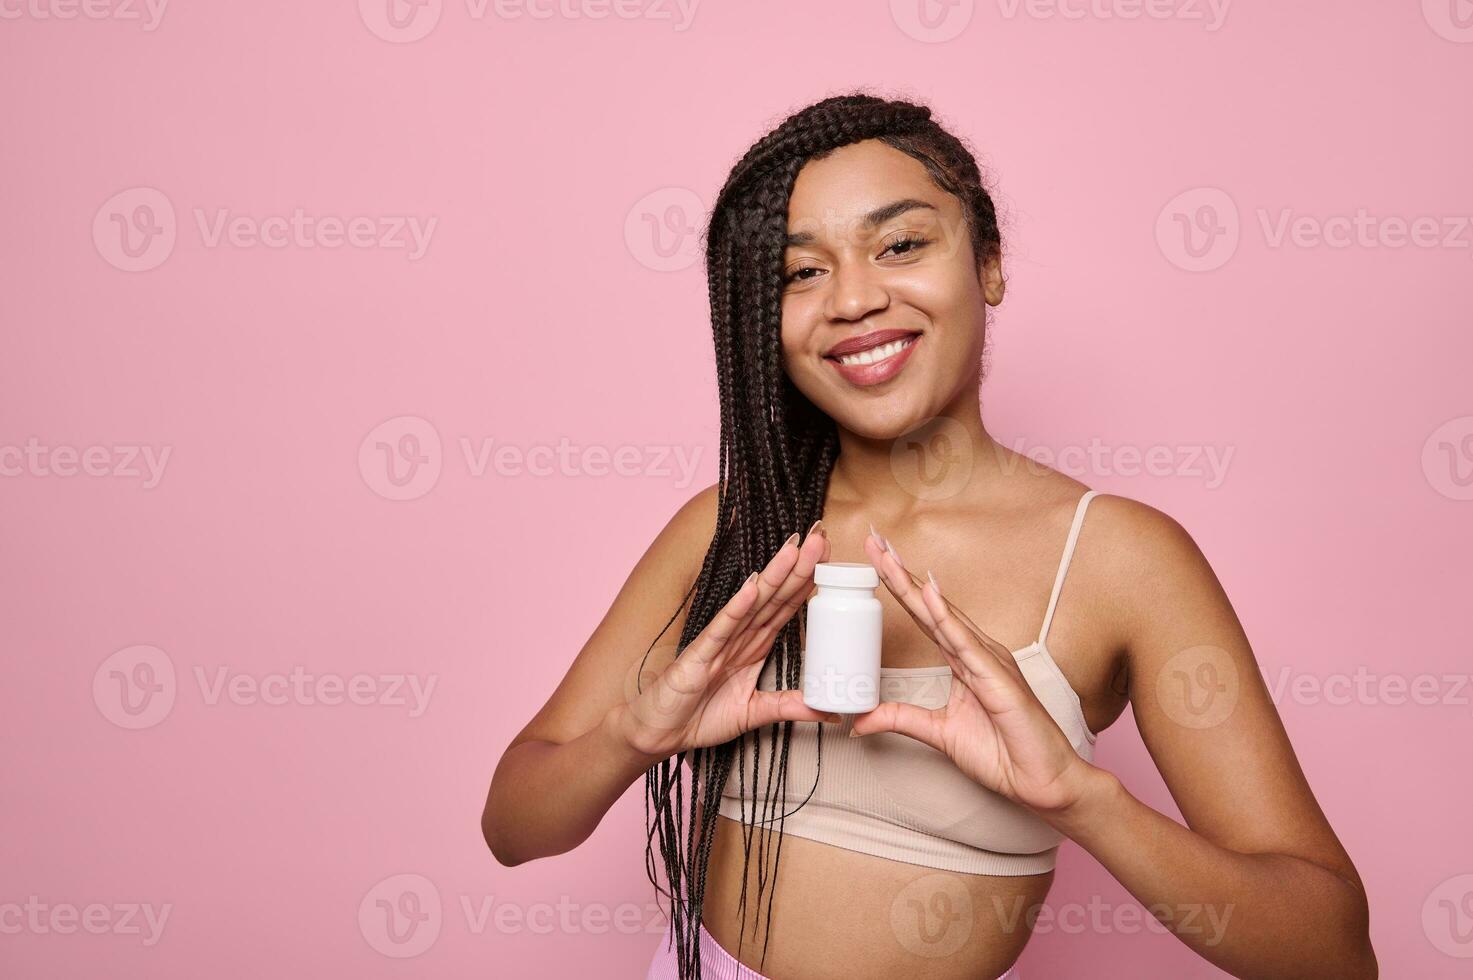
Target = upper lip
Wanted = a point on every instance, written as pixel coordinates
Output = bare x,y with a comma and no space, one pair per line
865,341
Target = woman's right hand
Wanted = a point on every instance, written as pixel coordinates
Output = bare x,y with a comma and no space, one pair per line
708,694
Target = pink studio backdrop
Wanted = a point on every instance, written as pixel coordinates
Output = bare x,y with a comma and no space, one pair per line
351,357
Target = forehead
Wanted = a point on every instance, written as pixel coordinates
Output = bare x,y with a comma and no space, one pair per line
832,195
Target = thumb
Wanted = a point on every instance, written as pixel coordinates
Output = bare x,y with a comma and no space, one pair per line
921,724
767,707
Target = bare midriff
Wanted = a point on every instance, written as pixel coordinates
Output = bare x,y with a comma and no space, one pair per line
839,913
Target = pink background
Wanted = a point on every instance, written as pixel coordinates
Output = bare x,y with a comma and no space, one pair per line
544,310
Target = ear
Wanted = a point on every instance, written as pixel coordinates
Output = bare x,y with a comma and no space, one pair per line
990,275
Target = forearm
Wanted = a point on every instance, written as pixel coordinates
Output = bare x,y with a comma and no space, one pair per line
1253,915
547,798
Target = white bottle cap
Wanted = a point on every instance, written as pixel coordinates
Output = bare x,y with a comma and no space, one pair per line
848,574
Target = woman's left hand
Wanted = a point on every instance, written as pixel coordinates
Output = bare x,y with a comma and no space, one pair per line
993,726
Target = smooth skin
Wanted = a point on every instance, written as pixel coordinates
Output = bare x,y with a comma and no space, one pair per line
1256,856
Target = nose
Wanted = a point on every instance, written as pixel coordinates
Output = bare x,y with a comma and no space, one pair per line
855,292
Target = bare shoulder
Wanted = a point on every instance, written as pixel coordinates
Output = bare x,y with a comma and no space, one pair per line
1139,539
1146,568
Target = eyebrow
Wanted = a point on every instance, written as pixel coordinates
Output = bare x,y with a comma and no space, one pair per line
874,219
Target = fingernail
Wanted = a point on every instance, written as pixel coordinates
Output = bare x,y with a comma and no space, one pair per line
893,553
792,539
876,535
750,579
933,581
853,733
817,528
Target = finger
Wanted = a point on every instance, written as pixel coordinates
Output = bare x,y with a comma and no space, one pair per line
767,707
735,616
982,659
879,552
900,586
727,622
965,633
922,724
782,604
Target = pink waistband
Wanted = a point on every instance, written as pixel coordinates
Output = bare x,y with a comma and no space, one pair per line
718,964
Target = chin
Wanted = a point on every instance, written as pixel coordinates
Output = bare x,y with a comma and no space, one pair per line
886,419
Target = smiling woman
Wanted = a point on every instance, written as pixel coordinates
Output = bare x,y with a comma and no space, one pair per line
852,255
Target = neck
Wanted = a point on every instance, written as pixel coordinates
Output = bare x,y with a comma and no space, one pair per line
949,462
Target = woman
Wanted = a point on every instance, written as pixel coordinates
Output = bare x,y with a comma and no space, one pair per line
852,255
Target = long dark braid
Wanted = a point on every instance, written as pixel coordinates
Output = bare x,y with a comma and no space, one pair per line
776,454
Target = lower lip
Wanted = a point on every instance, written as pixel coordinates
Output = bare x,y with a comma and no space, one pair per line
878,372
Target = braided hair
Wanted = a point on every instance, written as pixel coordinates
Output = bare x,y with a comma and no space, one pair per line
777,451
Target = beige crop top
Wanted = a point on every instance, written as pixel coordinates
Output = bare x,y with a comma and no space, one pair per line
892,796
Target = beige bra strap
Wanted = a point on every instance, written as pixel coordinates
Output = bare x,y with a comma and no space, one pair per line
1053,600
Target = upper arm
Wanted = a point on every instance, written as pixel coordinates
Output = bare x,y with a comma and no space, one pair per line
1201,703
607,666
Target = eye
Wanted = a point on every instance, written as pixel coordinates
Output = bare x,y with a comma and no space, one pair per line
906,244
902,246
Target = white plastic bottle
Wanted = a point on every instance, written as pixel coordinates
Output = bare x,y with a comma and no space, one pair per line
841,665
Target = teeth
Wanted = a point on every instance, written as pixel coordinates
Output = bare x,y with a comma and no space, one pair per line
875,354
